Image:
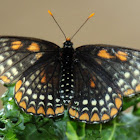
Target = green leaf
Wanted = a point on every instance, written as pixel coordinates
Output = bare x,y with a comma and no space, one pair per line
17,125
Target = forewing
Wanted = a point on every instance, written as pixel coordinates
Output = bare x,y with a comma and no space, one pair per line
17,54
103,75
123,64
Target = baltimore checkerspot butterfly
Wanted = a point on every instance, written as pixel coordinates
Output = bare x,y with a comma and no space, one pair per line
90,80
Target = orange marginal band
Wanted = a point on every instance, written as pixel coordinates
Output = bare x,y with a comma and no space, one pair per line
129,92
18,85
31,109
5,79
59,110
23,104
18,96
84,117
105,117
41,110
113,112
50,111
137,88
118,102
95,118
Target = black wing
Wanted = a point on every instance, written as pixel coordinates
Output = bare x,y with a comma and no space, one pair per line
104,74
35,65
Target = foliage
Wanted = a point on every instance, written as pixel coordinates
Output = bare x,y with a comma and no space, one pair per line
17,125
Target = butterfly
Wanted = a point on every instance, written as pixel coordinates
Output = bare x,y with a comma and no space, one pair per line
90,80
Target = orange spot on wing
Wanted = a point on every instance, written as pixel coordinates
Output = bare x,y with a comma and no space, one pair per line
5,79
113,112
18,96
43,80
77,115
38,55
137,88
23,104
105,54
73,113
50,111
34,47
16,45
18,85
31,110
95,117
41,110
59,110
92,84
129,92
120,95
118,102
84,117
122,55
105,117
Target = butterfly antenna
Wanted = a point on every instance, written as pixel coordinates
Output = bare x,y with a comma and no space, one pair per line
56,23
82,25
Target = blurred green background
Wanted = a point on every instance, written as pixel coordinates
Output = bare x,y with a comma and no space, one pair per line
115,22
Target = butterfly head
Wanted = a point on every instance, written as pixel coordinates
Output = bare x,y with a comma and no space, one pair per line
68,43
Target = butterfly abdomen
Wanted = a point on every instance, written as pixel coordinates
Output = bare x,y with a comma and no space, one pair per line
67,80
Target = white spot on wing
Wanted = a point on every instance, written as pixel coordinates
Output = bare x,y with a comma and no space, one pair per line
41,103
8,74
103,109
1,68
85,102
101,102
1,58
94,109
127,75
110,105
29,91
107,97
50,97
42,97
134,82
136,72
121,82
14,71
109,89
34,96
85,108
94,102
27,83
32,102
25,98
9,62
57,100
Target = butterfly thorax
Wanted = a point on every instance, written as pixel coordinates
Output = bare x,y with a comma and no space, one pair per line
67,81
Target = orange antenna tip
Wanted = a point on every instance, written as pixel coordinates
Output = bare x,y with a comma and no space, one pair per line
50,12
91,15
